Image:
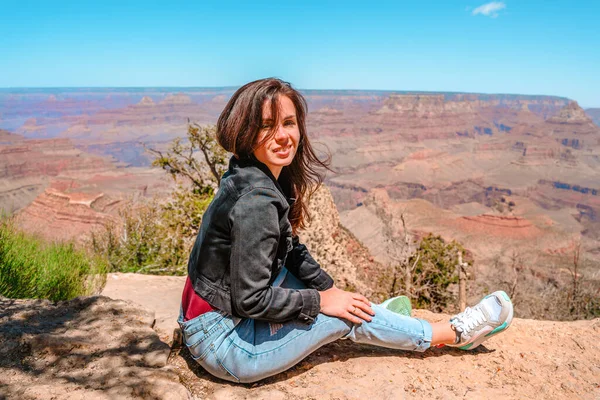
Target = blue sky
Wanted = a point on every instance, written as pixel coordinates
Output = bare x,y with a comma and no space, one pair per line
518,46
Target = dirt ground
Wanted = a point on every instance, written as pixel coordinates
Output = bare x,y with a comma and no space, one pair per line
533,359
97,348
86,348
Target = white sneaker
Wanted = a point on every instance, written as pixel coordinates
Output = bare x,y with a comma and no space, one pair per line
492,315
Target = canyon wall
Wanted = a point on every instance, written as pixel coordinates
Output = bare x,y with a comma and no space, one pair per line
28,165
594,114
497,172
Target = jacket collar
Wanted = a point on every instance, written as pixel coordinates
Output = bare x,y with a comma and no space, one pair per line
251,161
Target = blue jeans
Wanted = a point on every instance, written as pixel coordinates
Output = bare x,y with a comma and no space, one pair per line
247,350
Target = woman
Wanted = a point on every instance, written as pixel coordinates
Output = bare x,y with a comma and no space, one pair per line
255,302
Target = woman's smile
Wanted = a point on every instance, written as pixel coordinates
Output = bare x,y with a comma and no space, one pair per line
283,151
279,139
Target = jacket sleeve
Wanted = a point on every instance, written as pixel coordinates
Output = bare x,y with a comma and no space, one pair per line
254,239
300,263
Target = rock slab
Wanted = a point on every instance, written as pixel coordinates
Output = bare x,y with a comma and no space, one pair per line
86,348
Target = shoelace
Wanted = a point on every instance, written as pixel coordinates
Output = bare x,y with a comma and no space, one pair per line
469,319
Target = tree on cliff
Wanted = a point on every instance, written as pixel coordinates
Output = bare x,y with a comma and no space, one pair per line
435,266
156,236
425,270
197,179
181,161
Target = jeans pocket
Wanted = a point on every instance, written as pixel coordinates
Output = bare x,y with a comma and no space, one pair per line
204,321
200,332
222,361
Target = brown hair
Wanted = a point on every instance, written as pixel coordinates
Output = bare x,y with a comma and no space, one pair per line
238,128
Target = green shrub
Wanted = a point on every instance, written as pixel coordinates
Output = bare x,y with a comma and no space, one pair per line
428,275
156,237
434,270
153,238
31,268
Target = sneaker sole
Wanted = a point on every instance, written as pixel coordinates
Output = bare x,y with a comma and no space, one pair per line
496,330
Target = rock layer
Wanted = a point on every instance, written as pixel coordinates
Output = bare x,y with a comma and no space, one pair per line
58,215
27,166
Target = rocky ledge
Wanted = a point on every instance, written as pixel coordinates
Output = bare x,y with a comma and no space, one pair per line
87,348
98,348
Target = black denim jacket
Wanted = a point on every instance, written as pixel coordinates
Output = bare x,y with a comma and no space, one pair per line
245,238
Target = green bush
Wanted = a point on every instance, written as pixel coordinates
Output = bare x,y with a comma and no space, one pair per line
428,276
434,270
156,237
31,268
153,237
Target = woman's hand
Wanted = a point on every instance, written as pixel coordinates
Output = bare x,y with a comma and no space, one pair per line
354,307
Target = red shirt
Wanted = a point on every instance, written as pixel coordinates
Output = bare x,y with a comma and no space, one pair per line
192,304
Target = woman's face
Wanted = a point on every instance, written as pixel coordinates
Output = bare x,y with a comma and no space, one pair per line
279,150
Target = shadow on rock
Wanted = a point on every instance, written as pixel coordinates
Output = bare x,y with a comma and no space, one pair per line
87,346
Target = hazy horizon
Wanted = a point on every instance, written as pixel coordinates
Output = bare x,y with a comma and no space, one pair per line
488,47
50,89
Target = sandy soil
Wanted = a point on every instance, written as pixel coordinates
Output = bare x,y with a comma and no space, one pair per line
532,359
100,348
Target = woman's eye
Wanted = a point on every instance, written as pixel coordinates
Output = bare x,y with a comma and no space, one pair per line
289,123
265,126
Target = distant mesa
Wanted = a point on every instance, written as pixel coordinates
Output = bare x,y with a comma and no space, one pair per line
593,113
7,137
78,129
500,226
433,104
146,101
176,99
524,106
412,102
30,122
31,126
220,98
571,114
51,99
328,111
